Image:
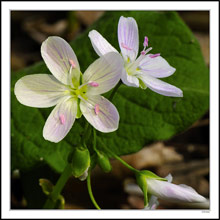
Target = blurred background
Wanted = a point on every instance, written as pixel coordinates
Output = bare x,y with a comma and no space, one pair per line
185,156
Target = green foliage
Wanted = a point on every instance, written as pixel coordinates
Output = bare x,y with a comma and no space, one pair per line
144,115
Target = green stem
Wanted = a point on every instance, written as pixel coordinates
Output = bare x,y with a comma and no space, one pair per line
114,91
94,139
90,190
125,164
50,203
122,161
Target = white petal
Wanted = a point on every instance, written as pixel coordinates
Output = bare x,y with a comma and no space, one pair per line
157,67
173,192
60,120
129,80
105,71
58,56
128,37
169,178
160,87
106,119
153,203
100,44
39,90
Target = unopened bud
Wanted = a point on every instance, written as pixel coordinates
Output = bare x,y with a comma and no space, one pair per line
80,161
103,162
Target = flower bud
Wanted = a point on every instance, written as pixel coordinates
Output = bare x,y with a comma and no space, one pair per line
80,161
162,188
173,192
103,162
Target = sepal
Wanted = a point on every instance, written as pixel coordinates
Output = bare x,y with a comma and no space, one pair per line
80,161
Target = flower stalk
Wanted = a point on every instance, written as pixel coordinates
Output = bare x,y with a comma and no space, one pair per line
51,201
90,190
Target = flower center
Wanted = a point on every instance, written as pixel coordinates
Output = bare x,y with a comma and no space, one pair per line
80,92
132,68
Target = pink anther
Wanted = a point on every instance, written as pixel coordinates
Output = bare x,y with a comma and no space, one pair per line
93,84
143,52
125,46
72,63
145,41
154,55
96,109
62,119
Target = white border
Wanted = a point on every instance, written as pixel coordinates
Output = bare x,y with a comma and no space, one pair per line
214,109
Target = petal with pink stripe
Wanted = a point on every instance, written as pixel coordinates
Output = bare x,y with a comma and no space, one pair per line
100,113
128,37
60,120
100,44
39,90
59,58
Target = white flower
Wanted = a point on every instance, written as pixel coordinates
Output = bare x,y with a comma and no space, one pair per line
143,71
72,92
172,192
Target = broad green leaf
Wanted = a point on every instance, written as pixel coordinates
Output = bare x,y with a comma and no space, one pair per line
144,115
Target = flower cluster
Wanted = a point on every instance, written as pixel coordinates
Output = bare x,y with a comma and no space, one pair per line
75,94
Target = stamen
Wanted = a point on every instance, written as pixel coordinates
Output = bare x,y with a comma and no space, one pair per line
125,46
96,109
93,84
154,55
143,52
62,119
72,63
145,41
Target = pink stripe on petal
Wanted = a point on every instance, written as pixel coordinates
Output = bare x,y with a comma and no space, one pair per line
104,118
154,55
157,67
128,37
161,87
100,44
173,192
39,90
125,46
59,56
60,120
104,72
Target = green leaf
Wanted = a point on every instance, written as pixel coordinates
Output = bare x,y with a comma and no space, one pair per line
144,115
